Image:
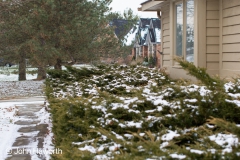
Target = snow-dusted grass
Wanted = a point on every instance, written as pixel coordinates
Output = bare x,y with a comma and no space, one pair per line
121,112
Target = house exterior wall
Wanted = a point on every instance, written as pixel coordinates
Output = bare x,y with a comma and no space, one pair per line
145,51
212,39
230,38
216,37
165,45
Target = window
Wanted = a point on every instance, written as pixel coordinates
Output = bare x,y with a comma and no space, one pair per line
184,29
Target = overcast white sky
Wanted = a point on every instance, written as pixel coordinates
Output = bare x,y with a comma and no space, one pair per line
121,5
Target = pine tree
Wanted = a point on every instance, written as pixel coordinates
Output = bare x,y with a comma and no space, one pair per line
52,32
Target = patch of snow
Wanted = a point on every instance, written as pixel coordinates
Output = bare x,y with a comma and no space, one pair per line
178,156
225,140
162,102
164,144
88,148
237,102
170,135
101,157
128,136
190,100
196,151
134,124
14,77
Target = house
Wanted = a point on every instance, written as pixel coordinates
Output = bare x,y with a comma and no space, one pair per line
141,46
204,32
148,40
153,41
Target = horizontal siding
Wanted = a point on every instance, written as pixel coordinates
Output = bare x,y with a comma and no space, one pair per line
231,48
234,57
231,65
213,5
212,65
167,57
230,3
166,51
213,72
231,30
165,26
229,21
231,11
212,57
212,32
166,39
212,14
213,23
166,45
165,20
166,34
212,48
212,40
231,39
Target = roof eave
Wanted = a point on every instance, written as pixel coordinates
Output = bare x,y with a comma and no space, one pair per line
151,5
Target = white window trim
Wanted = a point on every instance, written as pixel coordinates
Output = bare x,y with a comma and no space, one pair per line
172,15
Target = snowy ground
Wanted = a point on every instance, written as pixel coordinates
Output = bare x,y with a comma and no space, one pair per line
9,130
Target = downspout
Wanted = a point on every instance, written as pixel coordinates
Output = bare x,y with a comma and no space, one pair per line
158,14
161,57
159,17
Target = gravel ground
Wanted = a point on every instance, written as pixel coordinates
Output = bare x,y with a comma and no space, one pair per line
16,89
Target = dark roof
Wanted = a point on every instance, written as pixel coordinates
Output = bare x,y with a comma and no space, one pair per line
145,22
120,25
145,2
156,23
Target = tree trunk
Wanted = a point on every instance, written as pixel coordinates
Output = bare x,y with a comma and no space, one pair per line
58,65
22,67
41,73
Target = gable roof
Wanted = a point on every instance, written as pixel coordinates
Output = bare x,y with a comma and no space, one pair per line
156,23
131,35
149,27
144,22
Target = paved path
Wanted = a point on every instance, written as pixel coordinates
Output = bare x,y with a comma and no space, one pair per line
33,129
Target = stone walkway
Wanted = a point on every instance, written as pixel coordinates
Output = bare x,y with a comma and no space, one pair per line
30,142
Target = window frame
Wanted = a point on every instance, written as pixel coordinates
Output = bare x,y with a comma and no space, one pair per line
184,30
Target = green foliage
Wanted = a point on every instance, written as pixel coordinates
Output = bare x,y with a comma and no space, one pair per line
50,32
107,105
202,75
145,59
152,61
215,105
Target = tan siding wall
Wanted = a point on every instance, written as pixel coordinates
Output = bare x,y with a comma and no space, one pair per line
212,39
165,34
231,38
